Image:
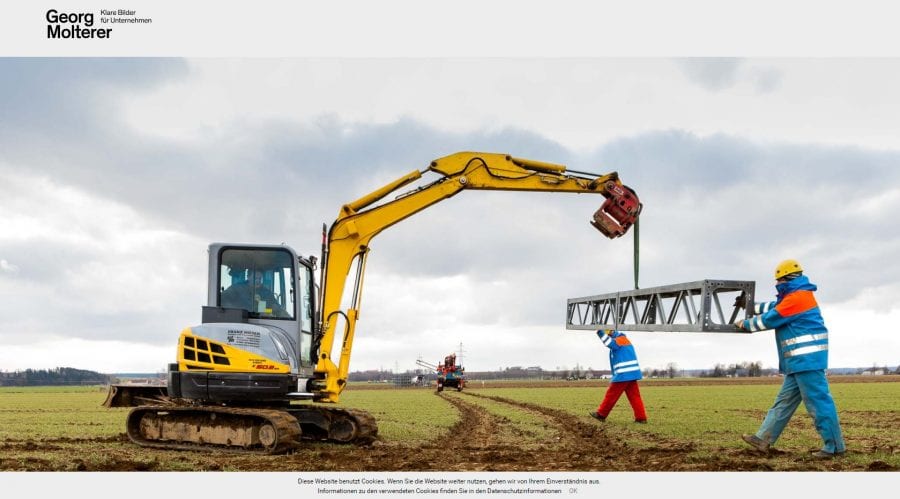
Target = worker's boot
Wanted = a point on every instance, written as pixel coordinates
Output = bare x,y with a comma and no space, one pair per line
597,416
820,454
756,442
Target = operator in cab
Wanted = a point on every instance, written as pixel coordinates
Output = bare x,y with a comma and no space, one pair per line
249,292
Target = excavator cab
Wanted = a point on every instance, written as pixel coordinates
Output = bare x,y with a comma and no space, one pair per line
255,342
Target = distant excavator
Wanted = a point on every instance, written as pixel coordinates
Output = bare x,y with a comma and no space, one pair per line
244,377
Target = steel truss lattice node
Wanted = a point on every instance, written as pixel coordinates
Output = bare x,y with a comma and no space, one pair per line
705,306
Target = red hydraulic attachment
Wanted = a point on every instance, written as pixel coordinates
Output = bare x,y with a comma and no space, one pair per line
619,211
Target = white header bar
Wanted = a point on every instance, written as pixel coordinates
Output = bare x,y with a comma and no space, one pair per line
462,28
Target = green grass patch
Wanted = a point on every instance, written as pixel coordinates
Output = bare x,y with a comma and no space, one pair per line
43,413
406,415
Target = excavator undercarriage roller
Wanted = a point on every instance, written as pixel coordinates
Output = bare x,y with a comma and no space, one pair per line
333,424
160,421
264,431
261,431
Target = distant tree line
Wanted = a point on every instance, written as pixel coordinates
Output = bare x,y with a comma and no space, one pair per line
743,370
514,372
738,370
53,377
670,371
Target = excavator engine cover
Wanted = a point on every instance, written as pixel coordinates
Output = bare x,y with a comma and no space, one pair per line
618,213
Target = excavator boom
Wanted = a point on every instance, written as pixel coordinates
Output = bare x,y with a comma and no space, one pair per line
358,222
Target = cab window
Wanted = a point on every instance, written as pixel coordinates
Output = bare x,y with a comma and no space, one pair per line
260,281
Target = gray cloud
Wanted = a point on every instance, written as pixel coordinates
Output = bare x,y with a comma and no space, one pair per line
711,73
717,74
722,201
71,97
716,206
5,266
767,80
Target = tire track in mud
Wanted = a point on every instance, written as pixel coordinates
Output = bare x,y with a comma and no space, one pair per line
581,446
484,441
578,446
476,441
476,428
480,441
589,445
594,446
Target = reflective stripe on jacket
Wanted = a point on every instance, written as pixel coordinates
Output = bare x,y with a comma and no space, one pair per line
800,333
622,357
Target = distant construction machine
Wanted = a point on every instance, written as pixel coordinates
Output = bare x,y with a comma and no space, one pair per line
449,373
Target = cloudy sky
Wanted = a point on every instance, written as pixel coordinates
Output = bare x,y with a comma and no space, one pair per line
117,174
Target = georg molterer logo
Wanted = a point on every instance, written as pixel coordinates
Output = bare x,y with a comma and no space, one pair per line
73,25
81,24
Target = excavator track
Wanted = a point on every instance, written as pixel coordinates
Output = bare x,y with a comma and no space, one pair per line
260,431
246,430
333,424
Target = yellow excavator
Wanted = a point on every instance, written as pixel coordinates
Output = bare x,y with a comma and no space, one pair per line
258,374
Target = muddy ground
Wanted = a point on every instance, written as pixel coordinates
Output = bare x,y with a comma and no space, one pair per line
480,441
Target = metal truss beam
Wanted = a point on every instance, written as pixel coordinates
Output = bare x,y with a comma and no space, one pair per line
695,307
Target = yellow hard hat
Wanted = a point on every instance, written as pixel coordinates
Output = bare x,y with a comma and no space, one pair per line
787,267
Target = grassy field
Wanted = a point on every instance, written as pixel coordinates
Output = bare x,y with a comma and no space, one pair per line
56,428
710,418
404,415
53,412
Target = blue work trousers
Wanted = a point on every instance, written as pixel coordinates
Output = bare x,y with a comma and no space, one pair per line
812,388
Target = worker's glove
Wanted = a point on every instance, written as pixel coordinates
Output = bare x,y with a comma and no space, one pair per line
604,332
739,324
741,301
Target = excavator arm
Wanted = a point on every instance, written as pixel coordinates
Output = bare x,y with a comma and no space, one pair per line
358,222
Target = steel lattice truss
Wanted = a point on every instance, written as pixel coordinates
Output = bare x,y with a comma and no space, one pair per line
699,307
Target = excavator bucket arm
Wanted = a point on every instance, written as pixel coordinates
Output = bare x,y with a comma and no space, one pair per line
359,221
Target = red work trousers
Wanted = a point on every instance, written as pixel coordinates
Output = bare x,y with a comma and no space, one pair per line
634,397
